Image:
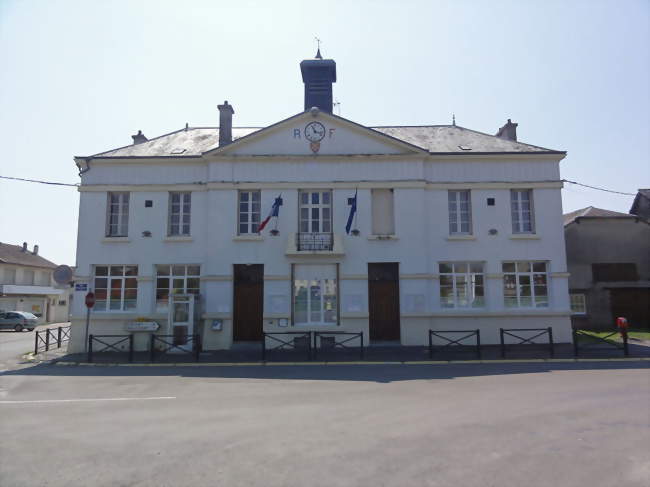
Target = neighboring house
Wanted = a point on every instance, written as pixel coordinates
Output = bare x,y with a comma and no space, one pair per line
26,284
455,229
641,204
608,255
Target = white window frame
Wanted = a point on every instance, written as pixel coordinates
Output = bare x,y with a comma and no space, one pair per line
323,224
172,275
521,216
9,275
181,209
321,309
456,213
249,211
471,276
520,274
31,280
578,303
117,214
115,273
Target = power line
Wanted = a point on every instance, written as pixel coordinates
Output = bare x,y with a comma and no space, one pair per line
597,188
39,181
77,184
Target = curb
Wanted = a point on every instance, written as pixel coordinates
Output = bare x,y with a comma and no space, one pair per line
317,363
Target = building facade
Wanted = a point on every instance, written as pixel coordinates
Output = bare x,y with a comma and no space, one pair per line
26,284
608,255
453,229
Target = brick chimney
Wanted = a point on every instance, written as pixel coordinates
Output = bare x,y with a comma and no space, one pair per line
225,123
508,131
24,246
139,138
35,250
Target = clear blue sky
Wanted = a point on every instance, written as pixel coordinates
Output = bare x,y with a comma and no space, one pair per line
80,77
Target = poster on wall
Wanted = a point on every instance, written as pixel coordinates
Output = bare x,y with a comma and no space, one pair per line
36,310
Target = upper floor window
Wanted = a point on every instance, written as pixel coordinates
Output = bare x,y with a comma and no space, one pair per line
28,277
116,287
180,207
460,215
521,207
525,284
383,219
9,276
315,211
175,279
461,285
117,224
249,212
611,272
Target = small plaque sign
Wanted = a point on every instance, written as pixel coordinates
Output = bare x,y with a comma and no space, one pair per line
142,326
81,287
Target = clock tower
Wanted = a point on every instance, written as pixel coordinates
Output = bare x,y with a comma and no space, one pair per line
318,74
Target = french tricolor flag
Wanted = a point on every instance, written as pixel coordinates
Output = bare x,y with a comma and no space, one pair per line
275,211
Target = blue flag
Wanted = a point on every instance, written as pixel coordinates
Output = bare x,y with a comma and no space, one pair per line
353,209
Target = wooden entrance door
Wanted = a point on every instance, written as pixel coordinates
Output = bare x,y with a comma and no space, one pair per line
248,302
383,301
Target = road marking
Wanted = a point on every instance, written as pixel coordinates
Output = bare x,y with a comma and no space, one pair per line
46,401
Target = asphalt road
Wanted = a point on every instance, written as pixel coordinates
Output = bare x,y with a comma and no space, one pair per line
501,425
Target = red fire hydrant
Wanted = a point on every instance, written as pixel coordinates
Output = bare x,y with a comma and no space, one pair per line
622,325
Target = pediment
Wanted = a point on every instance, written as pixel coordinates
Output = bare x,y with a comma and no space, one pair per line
307,134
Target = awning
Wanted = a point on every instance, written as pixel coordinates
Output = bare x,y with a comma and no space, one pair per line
37,290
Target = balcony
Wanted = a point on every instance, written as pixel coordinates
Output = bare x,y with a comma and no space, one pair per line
314,244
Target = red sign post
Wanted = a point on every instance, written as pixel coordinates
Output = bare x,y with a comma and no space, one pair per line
90,302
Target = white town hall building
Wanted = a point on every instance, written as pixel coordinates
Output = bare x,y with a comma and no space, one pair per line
454,229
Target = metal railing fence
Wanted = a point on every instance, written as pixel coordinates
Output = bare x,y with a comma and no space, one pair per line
328,339
453,341
114,346
526,340
592,342
294,340
51,338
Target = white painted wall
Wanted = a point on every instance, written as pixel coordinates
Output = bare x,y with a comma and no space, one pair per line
421,232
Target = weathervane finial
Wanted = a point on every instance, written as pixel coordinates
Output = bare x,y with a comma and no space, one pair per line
318,55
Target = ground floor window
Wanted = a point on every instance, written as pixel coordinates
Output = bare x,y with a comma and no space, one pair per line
116,287
315,294
461,285
578,304
175,279
525,284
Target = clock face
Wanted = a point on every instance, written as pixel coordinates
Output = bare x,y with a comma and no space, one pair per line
314,131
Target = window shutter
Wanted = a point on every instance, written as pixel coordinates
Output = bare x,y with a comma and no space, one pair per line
383,220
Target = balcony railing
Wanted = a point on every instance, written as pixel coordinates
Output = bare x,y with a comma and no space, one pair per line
311,242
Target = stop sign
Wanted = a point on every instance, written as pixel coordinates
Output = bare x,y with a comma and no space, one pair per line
90,299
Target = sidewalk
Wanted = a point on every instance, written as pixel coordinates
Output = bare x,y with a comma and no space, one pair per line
373,354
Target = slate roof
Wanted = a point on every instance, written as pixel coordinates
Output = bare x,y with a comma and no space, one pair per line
436,139
192,141
591,212
448,139
13,254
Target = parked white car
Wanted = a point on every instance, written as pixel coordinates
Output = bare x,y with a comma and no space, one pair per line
18,320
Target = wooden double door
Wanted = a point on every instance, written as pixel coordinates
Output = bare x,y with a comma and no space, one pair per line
248,304
383,301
